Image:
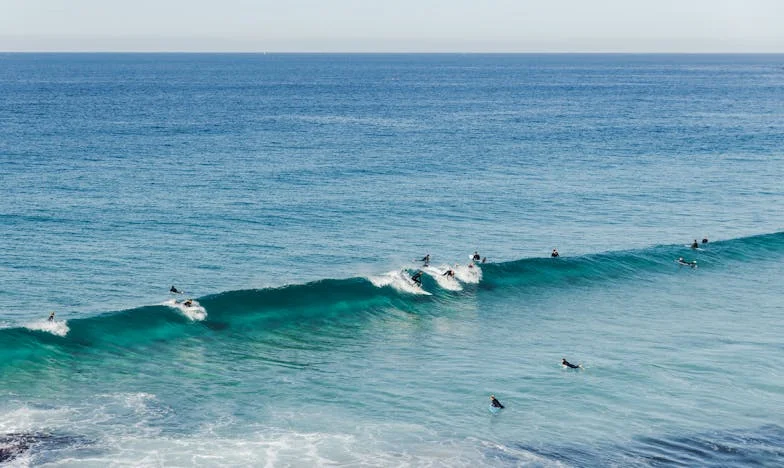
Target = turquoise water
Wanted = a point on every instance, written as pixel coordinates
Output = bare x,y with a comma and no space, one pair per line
290,194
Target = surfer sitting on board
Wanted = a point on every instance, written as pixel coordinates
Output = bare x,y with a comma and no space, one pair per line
555,253
704,240
568,364
51,317
417,278
495,403
476,256
174,290
695,245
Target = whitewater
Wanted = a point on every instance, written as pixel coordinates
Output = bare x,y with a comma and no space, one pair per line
291,197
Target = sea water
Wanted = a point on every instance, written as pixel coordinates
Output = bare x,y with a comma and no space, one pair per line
290,196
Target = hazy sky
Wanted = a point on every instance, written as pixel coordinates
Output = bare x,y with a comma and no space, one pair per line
393,25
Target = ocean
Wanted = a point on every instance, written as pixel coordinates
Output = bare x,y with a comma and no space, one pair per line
292,196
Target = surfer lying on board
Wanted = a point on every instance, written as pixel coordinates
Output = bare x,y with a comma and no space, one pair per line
174,290
568,364
494,402
417,278
692,263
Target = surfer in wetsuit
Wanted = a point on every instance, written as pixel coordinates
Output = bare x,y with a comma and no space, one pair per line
684,262
704,240
495,403
51,317
555,253
695,245
188,303
417,278
449,273
476,256
174,290
426,259
568,364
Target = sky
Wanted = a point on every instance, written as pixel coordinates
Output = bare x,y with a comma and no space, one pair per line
393,25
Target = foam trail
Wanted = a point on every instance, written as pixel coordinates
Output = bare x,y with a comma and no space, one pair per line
57,327
450,284
194,312
398,280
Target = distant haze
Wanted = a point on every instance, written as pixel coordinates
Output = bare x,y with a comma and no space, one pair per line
393,26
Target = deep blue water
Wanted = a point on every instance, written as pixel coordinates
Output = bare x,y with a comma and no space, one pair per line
287,192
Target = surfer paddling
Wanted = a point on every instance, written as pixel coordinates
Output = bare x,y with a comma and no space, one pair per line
495,403
569,365
683,262
174,290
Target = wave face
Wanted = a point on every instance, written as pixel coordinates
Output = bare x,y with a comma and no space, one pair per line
346,300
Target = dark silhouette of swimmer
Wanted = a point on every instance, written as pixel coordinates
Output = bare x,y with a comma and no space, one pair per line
449,273
704,240
417,278
695,245
175,290
51,317
555,253
476,256
568,364
495,403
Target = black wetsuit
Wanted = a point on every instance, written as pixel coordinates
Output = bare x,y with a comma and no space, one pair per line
449,273
416,278
477,257
569,364
554,254
174,290
495,403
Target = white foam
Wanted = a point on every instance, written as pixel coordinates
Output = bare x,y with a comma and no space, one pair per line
445,282
470,273
194,312
55,327
398,280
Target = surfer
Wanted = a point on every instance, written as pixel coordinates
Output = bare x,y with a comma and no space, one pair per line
426,259
568,364
449,273
555,253
692,264
417,278
51,317
476,256
495,403
704,240
174,290
188,303
484,259
695,245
